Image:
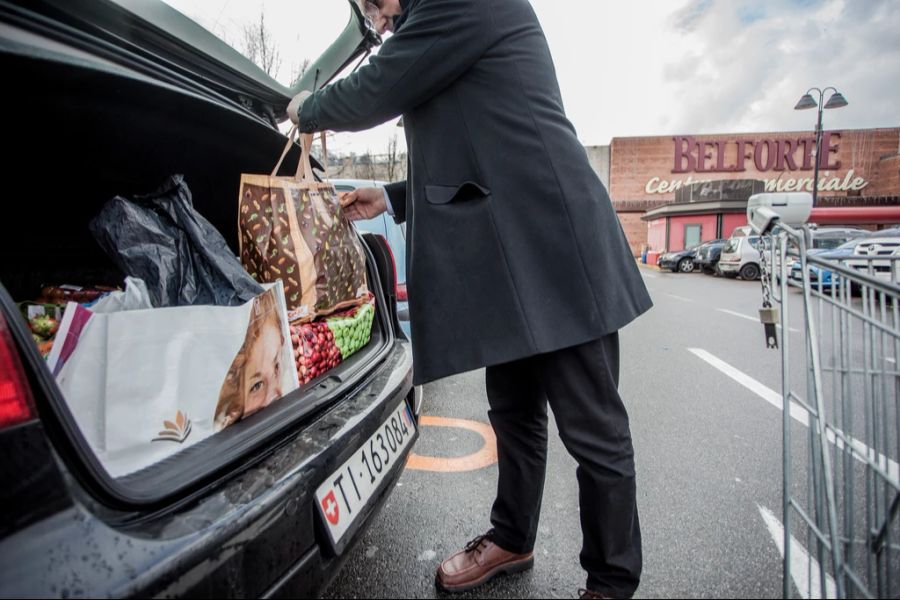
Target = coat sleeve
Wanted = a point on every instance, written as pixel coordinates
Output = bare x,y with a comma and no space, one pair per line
437,43
397,193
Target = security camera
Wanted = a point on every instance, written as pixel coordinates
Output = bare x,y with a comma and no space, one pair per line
764,211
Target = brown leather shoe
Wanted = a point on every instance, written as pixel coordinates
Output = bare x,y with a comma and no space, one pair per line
478,563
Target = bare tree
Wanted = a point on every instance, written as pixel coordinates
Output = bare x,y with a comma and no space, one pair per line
367,164
298,71
393,159
260,48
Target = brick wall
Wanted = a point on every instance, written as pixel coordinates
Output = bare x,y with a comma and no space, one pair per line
635,161
888,183
635,230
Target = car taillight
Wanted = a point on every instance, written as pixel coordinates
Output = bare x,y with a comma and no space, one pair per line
15,396
401,292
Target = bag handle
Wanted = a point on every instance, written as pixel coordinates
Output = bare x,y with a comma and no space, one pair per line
304,172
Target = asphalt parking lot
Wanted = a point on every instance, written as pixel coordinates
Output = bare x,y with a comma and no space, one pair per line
698,382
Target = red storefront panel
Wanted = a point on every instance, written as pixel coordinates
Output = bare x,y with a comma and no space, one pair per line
656,234
730,222
677,227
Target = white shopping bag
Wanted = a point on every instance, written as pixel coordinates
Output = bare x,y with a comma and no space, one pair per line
144,384
135,297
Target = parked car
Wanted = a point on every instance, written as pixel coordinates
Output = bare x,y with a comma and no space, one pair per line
741,257
681,261
708,256
110,97
821,278
825,238
394,234
878,255
831,243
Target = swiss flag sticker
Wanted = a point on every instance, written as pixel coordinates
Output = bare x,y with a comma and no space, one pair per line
331,509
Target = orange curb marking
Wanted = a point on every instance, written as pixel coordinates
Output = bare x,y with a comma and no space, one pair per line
486,456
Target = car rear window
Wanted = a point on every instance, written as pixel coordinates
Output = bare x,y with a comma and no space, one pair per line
731,246
828,243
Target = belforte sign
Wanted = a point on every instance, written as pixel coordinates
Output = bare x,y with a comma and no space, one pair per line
783,163
767,154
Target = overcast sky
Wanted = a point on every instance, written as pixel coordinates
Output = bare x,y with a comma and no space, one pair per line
657,67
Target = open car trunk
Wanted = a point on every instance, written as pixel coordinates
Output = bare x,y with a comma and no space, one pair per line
122,133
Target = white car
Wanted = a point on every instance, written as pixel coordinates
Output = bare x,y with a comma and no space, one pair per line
741,254
879,256
741,257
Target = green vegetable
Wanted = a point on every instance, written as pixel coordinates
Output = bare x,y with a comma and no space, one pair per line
44,325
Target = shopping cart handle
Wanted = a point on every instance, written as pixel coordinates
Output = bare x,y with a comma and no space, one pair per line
763,219
764,211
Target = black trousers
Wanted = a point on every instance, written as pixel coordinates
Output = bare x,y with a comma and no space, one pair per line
581,386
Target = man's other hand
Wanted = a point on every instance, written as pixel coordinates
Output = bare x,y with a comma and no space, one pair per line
364,203
293,109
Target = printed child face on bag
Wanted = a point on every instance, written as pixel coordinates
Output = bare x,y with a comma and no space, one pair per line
255,378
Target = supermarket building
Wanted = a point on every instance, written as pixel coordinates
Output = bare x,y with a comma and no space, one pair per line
673,191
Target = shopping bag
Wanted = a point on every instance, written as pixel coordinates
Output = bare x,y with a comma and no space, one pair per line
292,229
144,384
323,344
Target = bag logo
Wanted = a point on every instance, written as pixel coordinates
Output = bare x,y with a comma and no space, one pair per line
177,431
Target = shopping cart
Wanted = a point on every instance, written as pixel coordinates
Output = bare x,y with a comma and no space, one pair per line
841,393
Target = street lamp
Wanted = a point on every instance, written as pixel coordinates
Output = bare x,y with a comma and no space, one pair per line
836,100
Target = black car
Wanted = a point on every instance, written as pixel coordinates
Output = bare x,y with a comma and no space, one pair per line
708,256
110,97
681,261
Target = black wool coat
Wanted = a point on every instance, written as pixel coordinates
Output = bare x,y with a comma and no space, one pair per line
513,246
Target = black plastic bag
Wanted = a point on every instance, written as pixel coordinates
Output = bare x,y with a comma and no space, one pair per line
181,257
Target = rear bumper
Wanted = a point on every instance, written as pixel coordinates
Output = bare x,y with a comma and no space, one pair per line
255,533
728,267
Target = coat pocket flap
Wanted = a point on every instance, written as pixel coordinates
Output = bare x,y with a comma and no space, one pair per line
444,194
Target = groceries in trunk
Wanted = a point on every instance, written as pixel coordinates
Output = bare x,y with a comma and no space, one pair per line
322,345
190,342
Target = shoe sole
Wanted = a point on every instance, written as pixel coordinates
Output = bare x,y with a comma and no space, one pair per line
504,569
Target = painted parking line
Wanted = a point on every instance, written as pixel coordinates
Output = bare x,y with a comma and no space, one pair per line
804,568
682,298
798,413
649,275
485,456
749,318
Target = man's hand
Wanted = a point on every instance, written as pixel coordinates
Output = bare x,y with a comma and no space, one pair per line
293,109
364,203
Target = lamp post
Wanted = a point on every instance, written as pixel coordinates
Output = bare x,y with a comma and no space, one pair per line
836,100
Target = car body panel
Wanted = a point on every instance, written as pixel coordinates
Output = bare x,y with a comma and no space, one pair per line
671,260
738,253
237,539
395,235
708,257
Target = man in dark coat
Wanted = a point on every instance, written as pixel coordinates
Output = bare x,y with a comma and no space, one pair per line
516,262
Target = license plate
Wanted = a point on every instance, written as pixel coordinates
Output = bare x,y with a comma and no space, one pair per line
346,492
